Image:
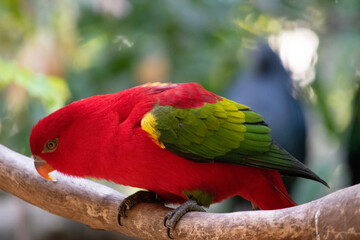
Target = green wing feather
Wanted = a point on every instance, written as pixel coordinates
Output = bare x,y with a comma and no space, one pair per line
225,132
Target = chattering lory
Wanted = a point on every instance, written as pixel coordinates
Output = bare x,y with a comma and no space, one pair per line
180,142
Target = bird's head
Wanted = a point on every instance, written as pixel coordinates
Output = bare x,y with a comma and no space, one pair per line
74,139
48,141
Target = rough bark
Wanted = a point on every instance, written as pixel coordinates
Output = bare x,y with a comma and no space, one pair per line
336,216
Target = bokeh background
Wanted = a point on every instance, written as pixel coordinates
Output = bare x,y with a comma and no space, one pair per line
295,62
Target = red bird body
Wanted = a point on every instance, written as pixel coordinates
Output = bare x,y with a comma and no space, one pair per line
103,137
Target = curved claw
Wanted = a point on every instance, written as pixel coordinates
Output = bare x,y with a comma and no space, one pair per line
165,220
119,219
168,231
122,210
174,216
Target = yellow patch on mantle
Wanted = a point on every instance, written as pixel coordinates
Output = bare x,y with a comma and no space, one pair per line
148,124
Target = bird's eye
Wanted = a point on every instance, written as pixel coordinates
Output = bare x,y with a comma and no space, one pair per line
50,145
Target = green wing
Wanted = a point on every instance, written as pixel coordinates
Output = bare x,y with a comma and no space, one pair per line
225,132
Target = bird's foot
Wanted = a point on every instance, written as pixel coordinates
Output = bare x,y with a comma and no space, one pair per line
132,200
173,217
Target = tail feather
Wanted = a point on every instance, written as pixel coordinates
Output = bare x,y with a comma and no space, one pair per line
279,159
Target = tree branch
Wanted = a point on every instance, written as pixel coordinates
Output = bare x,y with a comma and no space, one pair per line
334,216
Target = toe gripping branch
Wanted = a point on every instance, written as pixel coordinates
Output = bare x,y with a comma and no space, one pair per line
132,200
173,217
170,220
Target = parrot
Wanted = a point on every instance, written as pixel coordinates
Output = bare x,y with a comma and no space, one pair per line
179,142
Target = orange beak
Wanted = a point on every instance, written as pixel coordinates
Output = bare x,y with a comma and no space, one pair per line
43,168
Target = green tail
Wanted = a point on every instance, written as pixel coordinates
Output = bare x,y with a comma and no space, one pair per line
279,159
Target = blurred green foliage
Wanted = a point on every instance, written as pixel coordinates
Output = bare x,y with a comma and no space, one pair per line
49,49
52,91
